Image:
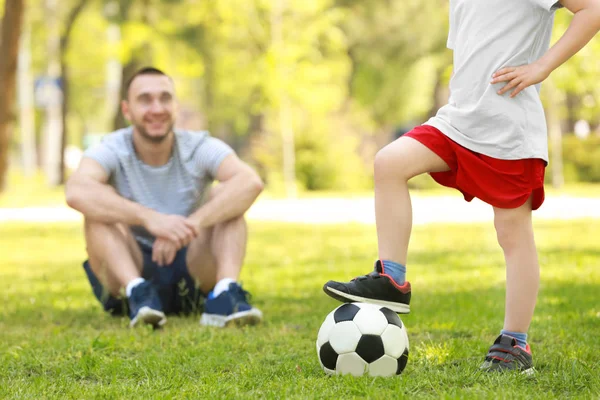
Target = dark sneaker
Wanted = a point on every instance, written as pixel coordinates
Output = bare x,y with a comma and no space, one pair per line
506,355
231,307
145,307
375,288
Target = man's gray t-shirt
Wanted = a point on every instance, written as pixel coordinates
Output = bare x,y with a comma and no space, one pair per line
177,187
487,36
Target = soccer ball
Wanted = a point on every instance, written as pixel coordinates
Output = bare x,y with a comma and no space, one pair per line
359,338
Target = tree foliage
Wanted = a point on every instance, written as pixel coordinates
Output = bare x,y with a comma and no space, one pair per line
348,73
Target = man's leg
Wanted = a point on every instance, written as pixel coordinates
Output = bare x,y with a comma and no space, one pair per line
395,165
515,236
214,260
114,256
218,253
116,260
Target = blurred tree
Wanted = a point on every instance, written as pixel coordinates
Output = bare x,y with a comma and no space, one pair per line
135,19
9,49
53,98
65,40
318,86
576,81
387,42
26,101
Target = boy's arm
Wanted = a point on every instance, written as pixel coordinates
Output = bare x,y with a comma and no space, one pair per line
583,27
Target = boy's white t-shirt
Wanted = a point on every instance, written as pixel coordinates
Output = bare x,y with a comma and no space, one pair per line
487,35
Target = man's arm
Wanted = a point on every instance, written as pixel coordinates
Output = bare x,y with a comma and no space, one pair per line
583,27
88,192
239,186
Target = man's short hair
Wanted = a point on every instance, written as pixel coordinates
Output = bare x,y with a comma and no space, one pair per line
140,72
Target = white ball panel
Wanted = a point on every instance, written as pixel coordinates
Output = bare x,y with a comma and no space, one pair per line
344,337
385,366
351,363
370,321
394,341
325,329
367,306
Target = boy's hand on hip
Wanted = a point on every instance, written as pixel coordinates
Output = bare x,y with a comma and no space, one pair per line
519,78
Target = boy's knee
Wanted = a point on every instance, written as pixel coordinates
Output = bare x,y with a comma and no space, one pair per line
387,164
510,230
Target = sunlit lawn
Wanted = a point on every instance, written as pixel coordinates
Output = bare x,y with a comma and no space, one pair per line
56,343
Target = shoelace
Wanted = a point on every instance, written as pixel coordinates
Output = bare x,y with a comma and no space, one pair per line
239,294
141,292
371,275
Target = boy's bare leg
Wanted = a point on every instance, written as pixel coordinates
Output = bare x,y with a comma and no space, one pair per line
395,164
515,236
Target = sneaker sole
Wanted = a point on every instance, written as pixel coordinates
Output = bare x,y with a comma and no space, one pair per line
242,318
400,308
529,372
149,316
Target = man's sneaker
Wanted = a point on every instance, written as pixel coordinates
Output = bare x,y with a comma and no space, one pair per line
506,355
231,307
145,307
375,288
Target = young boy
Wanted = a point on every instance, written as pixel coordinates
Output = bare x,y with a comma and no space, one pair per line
489,142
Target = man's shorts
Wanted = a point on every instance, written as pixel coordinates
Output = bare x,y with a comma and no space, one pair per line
501,183
176,288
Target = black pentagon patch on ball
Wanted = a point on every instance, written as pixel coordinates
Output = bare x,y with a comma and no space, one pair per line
391,316
328,356
345,313
370,348
402,362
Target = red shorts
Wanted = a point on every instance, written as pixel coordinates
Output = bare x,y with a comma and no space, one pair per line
501,183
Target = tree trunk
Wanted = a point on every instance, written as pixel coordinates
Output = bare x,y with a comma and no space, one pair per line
9,51
128,70
114,70
285,117
26,104
140,56
66,81
53,129
555,135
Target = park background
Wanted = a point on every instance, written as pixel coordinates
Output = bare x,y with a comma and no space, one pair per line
306,91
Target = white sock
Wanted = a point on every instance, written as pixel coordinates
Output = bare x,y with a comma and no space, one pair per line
222,286
133,283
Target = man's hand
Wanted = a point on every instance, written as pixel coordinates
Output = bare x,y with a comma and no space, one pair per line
175,228
520,77
163,252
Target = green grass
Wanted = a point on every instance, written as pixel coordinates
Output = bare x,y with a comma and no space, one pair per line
56,343
32,191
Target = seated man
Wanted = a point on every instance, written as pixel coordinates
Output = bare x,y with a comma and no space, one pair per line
153,225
